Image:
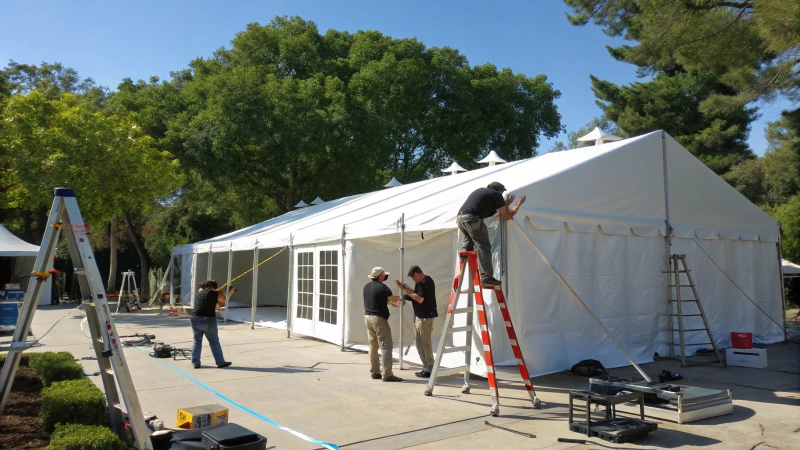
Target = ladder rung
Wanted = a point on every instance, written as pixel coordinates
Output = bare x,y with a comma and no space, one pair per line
109,371
672,271
463,310
683,285
692,329
456,349
79,271
118,406
459,329
496,287
685,315
451,371
684,301
17,347
692,345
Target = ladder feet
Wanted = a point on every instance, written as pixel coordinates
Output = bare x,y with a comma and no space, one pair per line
465,390
495,411
428,392
537,404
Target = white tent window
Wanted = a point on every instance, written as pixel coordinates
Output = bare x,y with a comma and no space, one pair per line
328,286
305,285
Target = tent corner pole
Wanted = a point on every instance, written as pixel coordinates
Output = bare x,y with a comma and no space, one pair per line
400,289
228,285
343,319
171,269
254,294
783,288
668,234
289,288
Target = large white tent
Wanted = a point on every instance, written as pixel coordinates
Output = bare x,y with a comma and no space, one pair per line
599,214
22,257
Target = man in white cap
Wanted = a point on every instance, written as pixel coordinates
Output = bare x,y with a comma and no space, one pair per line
376,317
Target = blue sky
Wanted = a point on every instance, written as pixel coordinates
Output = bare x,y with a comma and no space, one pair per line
109,40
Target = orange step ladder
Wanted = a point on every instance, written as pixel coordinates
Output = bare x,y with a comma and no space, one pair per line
469,262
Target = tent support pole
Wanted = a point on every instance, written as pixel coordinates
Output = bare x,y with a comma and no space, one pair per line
289,290
192,288
667,240
586,308
783,289
172,279
210,273
504,255
228,285
402,275
343,317
254,295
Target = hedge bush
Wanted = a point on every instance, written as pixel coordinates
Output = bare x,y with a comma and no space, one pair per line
83,437
72,401
52,367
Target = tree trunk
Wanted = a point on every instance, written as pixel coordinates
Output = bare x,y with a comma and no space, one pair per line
145,261
112,247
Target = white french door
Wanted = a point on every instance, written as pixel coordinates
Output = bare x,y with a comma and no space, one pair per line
318,292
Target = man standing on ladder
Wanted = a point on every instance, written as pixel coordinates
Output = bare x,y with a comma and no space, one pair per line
481,204
424,298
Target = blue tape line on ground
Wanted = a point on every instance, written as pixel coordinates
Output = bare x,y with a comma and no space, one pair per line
246,409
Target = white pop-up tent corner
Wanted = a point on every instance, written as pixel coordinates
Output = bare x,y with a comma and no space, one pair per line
22,256
601,216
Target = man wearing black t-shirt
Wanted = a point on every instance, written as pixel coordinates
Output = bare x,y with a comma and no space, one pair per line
376,318
423,299
481,204
204,322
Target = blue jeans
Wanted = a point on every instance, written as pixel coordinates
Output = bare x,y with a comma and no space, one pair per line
207,326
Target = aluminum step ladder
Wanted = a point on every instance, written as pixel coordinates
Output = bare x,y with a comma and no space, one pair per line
128,298
469,265
678,305
65,217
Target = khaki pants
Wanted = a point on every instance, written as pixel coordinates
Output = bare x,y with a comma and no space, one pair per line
380,335
423,328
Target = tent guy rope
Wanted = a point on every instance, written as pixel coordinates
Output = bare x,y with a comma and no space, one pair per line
740,289
251,269
586,308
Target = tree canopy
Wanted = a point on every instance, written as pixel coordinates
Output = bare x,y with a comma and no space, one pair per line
752,45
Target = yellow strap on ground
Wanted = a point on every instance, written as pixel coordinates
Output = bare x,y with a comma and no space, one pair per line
41,274
251,269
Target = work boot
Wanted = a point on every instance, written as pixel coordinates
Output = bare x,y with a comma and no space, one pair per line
376,376
392,378
423,374
224,364
196,366
490,281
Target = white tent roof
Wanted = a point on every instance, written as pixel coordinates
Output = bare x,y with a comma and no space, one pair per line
301,204
492,158
596,134
790,269
393,183
317,201
454,168
11,245
618,186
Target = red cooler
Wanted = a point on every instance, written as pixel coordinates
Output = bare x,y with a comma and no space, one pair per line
742,340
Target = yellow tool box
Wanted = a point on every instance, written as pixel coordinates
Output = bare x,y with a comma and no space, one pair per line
202,416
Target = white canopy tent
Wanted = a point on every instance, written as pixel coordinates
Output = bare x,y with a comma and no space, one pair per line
600,216
22,258
790,269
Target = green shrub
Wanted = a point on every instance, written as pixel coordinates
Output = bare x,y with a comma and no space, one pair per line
72,401
52,367
83,437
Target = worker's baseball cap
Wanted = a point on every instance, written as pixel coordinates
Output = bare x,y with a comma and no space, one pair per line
377,271
497,186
